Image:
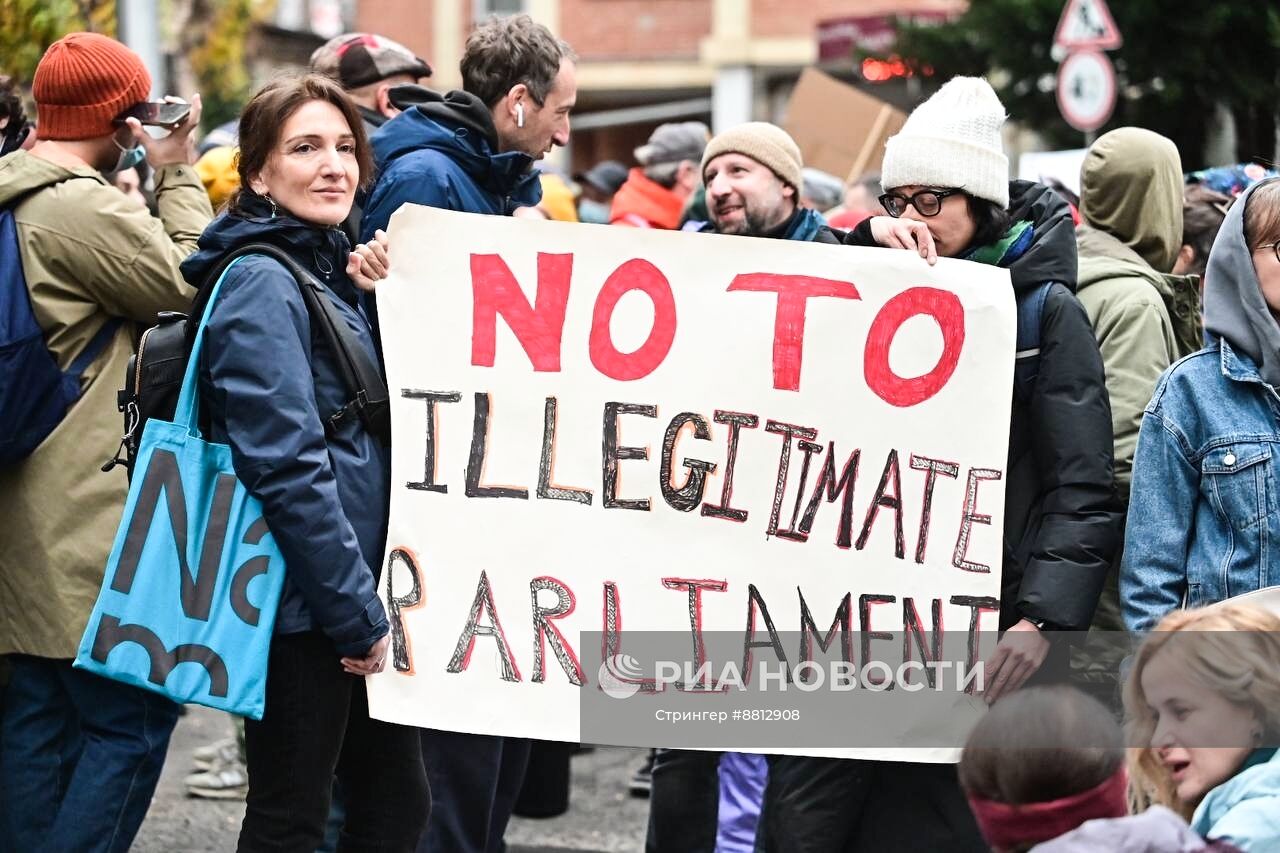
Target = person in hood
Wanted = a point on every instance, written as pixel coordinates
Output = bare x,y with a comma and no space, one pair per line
947,191
81,755
473,149
1203,521
269,382
1045,771
656,192
1203,701
1144,317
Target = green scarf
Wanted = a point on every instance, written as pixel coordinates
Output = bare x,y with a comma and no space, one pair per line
1007,249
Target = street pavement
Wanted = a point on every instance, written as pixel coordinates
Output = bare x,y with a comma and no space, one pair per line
602,817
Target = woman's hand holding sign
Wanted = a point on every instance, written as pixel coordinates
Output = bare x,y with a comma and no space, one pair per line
373,661
904,234
369,264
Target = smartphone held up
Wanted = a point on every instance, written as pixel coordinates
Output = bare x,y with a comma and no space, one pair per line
163,114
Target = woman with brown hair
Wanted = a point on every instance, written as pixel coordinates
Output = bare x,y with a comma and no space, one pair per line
272,387
1203,700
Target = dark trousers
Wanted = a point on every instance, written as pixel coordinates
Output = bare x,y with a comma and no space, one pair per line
684,802
545,792
316,726
832,805
80,757
475,780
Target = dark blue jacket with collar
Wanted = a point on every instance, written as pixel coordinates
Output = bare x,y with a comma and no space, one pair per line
444,153
266,381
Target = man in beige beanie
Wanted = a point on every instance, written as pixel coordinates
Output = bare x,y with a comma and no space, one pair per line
752,173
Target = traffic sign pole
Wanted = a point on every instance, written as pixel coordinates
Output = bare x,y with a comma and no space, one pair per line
1086,77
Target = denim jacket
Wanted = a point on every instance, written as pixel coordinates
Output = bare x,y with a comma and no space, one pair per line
1202,519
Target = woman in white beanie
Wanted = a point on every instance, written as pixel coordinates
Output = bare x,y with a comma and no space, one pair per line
947,192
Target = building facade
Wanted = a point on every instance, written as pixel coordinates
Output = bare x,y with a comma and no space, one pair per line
643,62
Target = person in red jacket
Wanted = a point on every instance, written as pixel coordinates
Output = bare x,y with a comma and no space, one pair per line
655,194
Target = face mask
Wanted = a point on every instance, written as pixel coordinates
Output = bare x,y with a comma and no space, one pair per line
594,212
129,157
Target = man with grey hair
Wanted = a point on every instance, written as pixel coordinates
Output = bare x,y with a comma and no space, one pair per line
655,194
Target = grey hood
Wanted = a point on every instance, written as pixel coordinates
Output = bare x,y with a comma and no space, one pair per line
1234,309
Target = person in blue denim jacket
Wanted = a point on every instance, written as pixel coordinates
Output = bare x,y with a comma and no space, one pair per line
1203,520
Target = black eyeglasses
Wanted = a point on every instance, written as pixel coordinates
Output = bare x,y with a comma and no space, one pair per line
927,202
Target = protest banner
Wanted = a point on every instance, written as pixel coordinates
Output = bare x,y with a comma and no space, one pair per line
596,427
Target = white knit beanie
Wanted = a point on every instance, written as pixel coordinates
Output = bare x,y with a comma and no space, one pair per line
952,140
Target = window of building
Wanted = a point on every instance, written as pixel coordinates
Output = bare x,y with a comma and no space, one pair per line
485,8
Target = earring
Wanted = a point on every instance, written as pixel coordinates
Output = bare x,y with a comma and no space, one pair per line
274,209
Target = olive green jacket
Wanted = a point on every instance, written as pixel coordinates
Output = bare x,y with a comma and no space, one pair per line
89,254
1144,321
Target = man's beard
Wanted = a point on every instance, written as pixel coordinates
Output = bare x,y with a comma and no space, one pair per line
754,223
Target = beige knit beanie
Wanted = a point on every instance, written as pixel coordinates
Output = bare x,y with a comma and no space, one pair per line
765,143
952,140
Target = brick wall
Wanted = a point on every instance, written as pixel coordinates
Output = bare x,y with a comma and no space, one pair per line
603,30
406,21
788,18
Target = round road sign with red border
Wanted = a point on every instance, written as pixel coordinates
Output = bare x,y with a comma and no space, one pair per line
1086,90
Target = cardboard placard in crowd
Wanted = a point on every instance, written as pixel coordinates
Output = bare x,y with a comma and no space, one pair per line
839,129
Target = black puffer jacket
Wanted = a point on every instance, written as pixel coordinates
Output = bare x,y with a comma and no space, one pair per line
1062,521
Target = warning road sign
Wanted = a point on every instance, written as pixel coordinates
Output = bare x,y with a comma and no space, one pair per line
1086,90
1087,25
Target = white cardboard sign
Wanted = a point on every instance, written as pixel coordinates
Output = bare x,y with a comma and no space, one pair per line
587,417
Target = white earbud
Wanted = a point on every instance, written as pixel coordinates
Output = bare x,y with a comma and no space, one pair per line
519,115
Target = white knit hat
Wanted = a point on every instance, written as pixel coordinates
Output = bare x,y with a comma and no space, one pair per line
952,140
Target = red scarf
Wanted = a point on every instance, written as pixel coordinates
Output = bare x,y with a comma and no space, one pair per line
1006,826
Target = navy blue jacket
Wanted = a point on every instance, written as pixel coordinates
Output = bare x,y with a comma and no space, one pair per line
444,153
266,380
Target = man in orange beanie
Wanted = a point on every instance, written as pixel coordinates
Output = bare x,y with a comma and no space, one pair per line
80,755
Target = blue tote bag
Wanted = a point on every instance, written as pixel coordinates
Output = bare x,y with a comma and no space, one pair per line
191,589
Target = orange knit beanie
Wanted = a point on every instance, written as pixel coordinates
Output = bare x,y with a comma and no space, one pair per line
83,82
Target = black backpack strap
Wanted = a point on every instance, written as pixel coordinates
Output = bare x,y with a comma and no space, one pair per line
361,377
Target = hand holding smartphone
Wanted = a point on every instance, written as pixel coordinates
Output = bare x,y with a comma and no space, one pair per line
166,114
178,116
